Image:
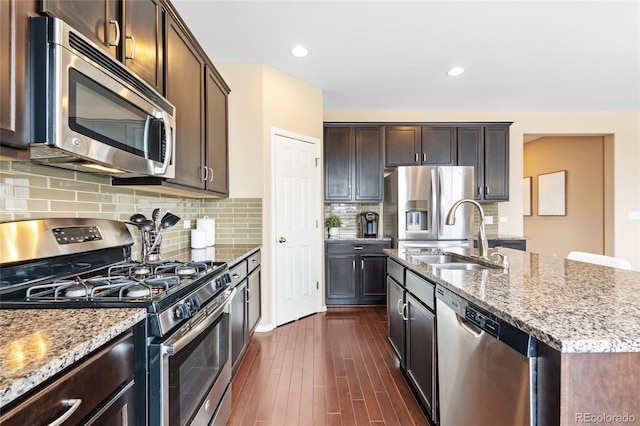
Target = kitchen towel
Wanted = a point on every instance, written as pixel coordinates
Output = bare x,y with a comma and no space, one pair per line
198,238
208,225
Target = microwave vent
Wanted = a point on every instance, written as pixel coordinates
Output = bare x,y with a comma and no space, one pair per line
89,51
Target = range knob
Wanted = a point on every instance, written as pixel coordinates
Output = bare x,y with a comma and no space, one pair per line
183,311
194,304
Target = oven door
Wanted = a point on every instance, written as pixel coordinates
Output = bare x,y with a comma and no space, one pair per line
190,372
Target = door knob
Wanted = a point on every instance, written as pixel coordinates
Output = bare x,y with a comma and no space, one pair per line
282,240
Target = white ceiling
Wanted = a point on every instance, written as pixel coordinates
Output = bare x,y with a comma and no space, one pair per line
393,55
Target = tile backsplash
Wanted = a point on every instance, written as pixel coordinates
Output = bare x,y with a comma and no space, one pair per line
32,191
349,214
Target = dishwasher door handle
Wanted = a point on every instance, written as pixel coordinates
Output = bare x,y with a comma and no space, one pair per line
468,326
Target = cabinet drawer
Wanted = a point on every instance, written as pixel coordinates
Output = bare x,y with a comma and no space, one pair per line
395,271
254,261
91,382
238,273
422,289
356,248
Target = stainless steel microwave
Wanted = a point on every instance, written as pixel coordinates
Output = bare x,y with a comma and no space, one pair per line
90,113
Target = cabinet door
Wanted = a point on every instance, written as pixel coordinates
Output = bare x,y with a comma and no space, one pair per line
253,299
395,322
238,322
373,272
470,146
14,36
98,20
216,145
120,411
439,146
402,146
369,173
338,158
341,278
496,163
420,363
184,89
143,40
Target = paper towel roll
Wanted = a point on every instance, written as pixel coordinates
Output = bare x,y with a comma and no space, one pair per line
198,238
209,225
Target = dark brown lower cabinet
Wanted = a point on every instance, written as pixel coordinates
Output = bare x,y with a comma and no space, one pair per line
355,272
517,244
102,388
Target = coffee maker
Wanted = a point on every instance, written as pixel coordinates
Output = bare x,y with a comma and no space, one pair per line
369,224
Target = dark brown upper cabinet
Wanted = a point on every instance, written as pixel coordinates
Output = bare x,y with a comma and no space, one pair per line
353,164
487,149
420,145
14,77
129,30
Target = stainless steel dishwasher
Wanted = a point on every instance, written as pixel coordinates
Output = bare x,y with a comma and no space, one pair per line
487,368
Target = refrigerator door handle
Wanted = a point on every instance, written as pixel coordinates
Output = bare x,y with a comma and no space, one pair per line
441,206
434,208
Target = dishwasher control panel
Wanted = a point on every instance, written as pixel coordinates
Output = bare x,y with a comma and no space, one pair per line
482,320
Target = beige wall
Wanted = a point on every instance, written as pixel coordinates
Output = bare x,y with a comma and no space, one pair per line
263,99
583,226
623,128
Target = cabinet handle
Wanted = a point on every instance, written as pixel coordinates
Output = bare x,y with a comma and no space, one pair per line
404,309
211,178
424,157
486,190
358,247
248,293
236,276
73,405
133,47
254,260
416,157
206,173
117,40
353,264
479,190
361,264
399,307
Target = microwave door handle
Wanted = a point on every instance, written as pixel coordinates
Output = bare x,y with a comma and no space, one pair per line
170,142
147,125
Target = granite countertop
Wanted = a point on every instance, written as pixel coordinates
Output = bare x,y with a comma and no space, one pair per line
571,306
36,344
229,253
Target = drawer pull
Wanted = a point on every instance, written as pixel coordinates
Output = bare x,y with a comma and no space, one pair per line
358,247
73,405
254,260
236,276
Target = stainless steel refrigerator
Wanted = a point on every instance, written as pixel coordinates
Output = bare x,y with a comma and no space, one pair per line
417,200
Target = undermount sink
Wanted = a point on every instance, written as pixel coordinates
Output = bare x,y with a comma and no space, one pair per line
466,266
446,261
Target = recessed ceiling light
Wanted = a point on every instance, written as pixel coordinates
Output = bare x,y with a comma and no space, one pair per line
299,51
455,71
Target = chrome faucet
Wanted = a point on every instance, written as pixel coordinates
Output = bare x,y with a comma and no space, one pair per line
483,246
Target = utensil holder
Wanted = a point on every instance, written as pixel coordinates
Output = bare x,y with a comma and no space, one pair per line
151,242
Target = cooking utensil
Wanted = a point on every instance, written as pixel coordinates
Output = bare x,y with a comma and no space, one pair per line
155,216
168,220
137,218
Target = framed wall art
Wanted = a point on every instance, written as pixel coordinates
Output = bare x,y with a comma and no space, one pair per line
526,196
552,194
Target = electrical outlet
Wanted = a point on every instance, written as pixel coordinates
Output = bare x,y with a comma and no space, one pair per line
488,220
634,215
503,219
186,224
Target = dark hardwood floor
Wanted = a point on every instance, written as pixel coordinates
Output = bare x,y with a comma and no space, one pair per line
333,368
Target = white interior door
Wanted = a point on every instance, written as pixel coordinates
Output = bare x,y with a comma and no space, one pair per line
297,214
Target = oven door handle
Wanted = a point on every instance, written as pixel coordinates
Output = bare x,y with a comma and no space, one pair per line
172,347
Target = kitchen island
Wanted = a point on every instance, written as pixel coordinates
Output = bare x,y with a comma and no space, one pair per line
587,317
37,344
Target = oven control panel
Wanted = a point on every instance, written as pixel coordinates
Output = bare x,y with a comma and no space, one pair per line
76,234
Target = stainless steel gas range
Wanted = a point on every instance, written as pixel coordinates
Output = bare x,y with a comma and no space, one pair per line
183,358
